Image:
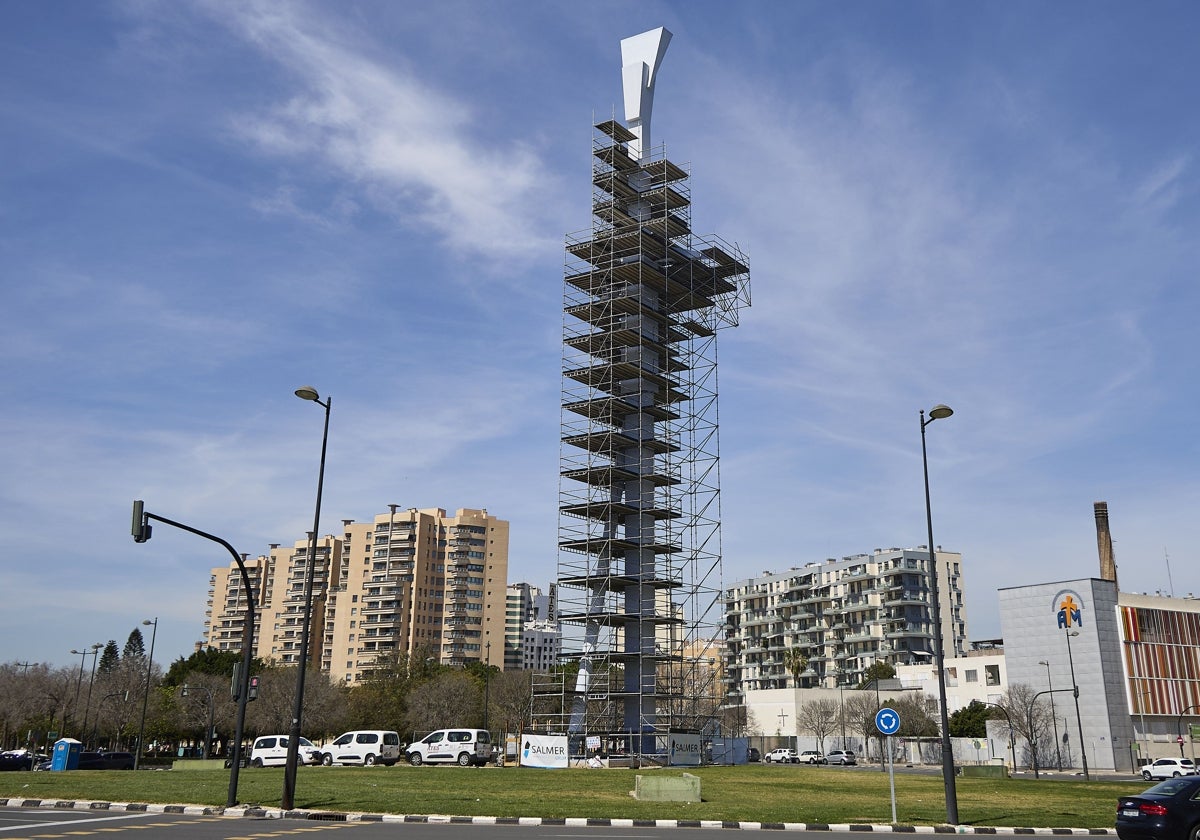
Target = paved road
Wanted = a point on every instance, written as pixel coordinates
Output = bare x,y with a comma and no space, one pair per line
45,824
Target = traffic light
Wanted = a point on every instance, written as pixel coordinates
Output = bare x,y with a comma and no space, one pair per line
253,695
141,528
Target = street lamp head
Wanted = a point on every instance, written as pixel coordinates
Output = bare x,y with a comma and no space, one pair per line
940,412
308,392
1043,662
148,622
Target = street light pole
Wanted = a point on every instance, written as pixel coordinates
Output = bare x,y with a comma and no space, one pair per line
142,532
487,679
137,757
1053,714
939,412
287,800
1075,691
94,652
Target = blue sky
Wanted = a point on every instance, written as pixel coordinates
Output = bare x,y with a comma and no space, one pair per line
204,205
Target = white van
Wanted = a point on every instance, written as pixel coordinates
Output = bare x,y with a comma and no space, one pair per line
272,750
463,747
362,746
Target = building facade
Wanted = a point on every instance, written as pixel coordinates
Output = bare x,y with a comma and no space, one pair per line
409,583
532,639
833,620
1134,657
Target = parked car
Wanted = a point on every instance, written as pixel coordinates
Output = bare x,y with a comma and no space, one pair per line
464,747
106,761
362,746
1168,811
840,757
20,760
753,755
96,761
812,757
781,755
272,750
1166,768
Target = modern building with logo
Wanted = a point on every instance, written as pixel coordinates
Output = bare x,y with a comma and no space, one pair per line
1134,657
1121,669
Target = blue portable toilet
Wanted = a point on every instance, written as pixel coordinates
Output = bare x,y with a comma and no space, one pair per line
66,754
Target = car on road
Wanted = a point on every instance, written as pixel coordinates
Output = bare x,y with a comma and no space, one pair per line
272,750
464,747
20,760
752,754
1167,768
1168,811
781,755
96,761
812,757
363,746
840,757
105,761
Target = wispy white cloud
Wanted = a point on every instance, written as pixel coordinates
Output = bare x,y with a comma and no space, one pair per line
411,147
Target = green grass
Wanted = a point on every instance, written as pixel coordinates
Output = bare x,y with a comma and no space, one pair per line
744,793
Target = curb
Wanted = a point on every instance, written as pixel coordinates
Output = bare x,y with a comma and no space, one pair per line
569,822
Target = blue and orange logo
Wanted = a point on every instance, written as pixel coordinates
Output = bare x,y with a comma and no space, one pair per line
1069,608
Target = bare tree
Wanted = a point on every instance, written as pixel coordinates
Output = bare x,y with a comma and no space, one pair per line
509,700
820,717
451,699
860,708
1030,718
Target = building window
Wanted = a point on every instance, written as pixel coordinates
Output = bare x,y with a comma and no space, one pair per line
992,674
972,675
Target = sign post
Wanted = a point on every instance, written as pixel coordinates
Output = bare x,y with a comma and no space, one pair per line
887,721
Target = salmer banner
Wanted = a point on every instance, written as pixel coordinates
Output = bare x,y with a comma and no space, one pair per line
685,750
543,750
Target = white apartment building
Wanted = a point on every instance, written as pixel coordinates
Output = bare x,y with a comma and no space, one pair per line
835,619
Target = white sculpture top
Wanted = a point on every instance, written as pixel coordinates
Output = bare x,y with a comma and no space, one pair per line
641,56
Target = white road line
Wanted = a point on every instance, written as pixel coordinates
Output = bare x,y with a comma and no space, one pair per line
88,821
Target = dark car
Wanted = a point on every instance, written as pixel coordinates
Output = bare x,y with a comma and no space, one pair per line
1168,811
106,761
753,754
19,760
97,761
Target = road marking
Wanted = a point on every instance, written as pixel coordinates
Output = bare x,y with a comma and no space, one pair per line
40,826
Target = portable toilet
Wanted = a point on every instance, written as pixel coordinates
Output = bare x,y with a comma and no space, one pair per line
66,754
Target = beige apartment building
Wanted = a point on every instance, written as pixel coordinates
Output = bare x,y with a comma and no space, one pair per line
411,582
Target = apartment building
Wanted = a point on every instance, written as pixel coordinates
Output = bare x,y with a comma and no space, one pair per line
409,582
833,620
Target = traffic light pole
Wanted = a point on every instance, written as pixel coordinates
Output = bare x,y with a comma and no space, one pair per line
141,533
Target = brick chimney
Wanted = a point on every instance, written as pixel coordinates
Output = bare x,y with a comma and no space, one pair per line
1108,566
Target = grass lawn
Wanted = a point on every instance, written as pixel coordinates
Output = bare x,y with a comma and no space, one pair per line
745,793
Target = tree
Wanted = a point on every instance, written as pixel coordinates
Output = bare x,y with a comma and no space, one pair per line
381,699
820,717
210,661
135,646
860,708
110,660
796,663
1030,718
878,670
510,695
451,699
971,720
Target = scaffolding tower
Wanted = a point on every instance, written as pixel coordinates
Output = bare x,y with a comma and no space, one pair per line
639,562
